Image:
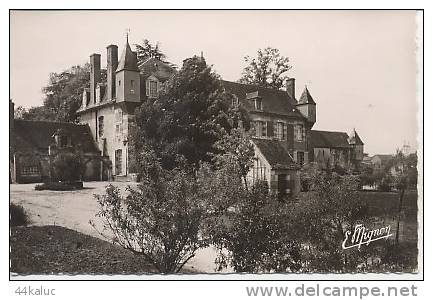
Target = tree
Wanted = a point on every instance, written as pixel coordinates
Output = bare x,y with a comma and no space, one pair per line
66,167
254,236
268,69
163,219
236,150
19,112
146,50
187,118
63,94
322,216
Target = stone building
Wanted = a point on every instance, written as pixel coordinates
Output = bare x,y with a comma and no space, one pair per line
108,107
34,144
281,125
332,149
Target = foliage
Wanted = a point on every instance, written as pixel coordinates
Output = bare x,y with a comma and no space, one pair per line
253,237
66,167
321,218
58,186
38,113
385,184
237,150
18,216
19,112
63,94
161,220
188,118
267,69
146,50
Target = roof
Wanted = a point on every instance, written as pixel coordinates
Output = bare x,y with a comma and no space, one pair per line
275,154
306,97
157,68
273,100
128,59
329,139
383,157
355,139
39,134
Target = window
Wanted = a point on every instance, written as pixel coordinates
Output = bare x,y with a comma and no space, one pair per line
30,170
152,88
300,157
101,126
280,131
258,104
119,82
63,141
263,128
235,101
132,91
299,133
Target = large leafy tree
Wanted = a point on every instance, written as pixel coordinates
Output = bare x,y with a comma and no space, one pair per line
187,118
146,50
63,94
268,69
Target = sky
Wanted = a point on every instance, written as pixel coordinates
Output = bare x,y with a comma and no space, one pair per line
360,66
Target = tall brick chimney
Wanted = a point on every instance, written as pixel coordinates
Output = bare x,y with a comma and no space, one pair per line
112,61
290,87
95,75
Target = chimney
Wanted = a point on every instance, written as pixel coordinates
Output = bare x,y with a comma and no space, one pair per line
290,87
112,61
95,75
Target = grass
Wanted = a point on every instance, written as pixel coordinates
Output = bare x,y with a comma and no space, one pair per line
55,249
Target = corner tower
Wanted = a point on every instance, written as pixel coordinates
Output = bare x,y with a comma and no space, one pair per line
307,107
127,76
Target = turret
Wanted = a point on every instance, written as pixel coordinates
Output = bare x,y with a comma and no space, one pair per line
128,76
357,145
307,107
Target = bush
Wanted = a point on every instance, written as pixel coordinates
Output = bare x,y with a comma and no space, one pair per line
59,186
18,216
385,184
66,167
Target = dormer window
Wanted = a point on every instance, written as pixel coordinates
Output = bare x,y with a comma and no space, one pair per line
258,104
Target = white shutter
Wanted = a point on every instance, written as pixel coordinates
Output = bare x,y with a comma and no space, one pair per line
147,88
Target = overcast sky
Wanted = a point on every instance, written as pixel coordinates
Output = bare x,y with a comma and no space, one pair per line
360,66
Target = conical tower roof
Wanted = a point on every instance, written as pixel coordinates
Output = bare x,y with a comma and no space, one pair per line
306,97
128,60
354,138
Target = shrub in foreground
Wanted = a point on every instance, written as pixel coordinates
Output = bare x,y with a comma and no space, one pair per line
18,216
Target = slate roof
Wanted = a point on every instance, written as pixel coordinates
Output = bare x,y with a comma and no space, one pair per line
275,154
128,59
38,135
273,100
329,139
306,97
157,68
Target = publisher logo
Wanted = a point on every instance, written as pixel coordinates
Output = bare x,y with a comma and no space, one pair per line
363,236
